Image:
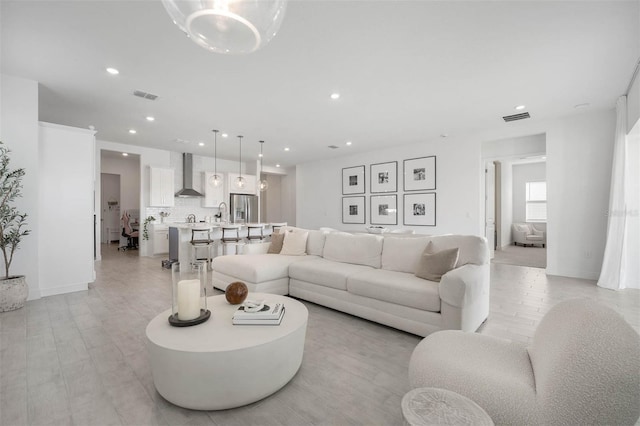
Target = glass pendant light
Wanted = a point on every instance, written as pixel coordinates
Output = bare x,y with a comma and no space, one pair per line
240,181
215,179
228,26
263,184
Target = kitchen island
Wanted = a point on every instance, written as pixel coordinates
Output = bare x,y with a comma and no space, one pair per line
180,237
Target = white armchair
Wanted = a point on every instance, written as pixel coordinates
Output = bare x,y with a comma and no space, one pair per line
528,234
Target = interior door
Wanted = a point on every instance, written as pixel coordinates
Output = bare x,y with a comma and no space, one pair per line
490,205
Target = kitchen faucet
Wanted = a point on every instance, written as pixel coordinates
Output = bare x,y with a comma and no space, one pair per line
223,216
191,218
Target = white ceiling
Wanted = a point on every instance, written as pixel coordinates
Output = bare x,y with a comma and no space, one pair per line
407,71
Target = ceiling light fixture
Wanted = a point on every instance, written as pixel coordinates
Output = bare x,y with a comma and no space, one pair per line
287,149
132,131
263,184
520,107
216,179
150,118
200,143
113,71
240,181
228,26
335,96
277,165
124,154
224,135
348,143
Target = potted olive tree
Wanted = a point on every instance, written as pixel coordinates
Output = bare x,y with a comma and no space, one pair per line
13,289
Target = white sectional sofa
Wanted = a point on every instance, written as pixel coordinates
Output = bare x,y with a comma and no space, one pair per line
373,277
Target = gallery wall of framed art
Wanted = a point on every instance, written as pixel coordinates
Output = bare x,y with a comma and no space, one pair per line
418,206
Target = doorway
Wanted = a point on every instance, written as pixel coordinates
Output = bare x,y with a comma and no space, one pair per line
110,208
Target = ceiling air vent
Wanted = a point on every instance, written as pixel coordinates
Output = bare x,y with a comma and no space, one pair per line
145,95
333,147
514,117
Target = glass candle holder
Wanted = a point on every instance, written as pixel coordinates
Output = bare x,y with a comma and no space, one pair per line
189,305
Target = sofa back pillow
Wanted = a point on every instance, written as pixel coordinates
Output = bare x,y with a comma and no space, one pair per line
315,242
357,249
473,249
276,243
295,243
433,265
402,254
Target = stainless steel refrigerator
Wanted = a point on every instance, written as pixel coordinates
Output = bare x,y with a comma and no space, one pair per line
244,208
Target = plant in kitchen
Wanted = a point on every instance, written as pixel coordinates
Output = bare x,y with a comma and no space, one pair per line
145,231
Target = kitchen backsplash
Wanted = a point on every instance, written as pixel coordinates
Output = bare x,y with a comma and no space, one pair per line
183,208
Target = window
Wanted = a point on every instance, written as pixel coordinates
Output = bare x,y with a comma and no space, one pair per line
536,208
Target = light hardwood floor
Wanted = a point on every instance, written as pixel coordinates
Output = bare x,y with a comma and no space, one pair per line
80,359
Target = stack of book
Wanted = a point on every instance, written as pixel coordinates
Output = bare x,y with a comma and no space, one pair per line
270,314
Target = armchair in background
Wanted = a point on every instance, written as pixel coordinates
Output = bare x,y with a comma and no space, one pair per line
528,234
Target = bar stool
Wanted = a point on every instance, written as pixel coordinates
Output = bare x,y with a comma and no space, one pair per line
201,238
231,237
257,234
276,226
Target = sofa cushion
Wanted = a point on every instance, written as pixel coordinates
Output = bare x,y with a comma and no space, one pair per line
255,268
433,265
402,254
356,249
325,272
295,243
473,249
276,243
396,287
315,242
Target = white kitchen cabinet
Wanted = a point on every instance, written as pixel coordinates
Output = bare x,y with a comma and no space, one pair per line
160,239
161,187
249,187
213,195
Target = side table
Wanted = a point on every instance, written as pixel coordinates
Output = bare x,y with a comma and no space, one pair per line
433,406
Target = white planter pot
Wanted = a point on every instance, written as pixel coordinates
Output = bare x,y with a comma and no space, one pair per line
13,293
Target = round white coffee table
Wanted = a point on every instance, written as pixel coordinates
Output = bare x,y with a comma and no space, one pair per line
217,365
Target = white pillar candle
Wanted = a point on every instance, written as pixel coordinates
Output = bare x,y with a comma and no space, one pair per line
188,299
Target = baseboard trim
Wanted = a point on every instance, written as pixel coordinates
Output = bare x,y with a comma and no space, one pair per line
63,290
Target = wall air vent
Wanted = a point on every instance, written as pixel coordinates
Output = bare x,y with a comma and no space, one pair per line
333,147
145,95
514,117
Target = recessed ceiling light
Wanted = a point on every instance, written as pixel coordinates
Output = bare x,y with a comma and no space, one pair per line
224,135
277,165
444,135
335,96
581,105
259,155
132,131
113,71
287,149
150,118
124,154
544,158
520,107
348,143
201,144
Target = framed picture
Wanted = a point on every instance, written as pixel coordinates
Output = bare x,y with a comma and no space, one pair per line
384,209
384,177
420,209
353,180
420,174
353,210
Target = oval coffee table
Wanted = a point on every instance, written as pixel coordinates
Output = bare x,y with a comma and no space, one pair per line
217,365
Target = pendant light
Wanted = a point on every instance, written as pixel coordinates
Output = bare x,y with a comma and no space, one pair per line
240,181
228,26
216,179
263,184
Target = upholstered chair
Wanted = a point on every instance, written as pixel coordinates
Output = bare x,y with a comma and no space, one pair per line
581,368
528,234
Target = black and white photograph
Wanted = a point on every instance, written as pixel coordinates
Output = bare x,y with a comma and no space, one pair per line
384,209
353,210
384,177
353,180
420,174
420,209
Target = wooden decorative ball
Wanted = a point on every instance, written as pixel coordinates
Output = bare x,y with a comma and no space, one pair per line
236,292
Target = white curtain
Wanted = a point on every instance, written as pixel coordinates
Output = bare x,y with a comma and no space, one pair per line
621,264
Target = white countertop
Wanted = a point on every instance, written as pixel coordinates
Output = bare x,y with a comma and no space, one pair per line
204,225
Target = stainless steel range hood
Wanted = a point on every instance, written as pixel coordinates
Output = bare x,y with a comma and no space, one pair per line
187,178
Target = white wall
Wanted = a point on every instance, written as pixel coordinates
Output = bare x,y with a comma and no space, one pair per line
288,197
128,168
506,195
65,241
579,151
319,187
19,132
273,199
523,173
